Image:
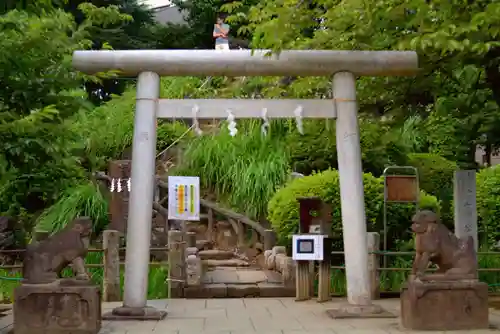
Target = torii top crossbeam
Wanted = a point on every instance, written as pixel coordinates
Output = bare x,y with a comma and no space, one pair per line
247,62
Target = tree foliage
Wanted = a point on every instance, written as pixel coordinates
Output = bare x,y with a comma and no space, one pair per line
52,136
201,16
458,86
39,95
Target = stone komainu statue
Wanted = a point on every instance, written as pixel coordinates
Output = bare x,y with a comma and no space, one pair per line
45,260
434,243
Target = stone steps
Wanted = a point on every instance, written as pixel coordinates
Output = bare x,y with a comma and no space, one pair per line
239,282
204,245
211,263
215,254
227,274
236,290
5,310
214,258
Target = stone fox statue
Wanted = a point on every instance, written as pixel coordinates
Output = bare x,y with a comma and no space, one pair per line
455,258
45,260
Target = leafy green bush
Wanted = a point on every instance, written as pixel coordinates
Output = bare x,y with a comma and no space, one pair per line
436,177
380,146
36,162
488,204
316,149
283,207
435,172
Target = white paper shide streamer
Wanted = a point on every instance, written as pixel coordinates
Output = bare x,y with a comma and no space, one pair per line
196,123
298,118
265,125
232,123
116,185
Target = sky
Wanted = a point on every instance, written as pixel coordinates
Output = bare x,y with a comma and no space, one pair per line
156,3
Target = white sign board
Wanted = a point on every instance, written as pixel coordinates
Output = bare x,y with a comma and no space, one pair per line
184,198
307,247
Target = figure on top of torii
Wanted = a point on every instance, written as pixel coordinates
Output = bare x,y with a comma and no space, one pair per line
221,33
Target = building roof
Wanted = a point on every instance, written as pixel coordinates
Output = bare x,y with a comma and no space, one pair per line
169,14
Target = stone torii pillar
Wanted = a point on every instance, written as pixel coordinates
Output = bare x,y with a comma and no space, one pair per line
149,65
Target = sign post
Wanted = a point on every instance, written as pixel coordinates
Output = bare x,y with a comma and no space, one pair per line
399,188
184,198
312,244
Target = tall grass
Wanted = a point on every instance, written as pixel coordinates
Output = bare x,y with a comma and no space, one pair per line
9,280
243,171
107,130
393,280
493,277
157,279
85,199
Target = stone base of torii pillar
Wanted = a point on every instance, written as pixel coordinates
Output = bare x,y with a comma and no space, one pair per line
135,313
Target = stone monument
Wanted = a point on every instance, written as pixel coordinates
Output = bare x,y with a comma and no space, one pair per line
452,298
45,302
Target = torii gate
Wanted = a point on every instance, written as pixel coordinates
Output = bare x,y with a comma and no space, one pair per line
149,65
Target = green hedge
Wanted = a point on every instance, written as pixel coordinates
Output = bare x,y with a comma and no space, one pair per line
435,172
315,150
283,207
488,205
436,178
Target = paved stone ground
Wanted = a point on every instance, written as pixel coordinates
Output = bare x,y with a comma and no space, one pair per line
254,315
260,315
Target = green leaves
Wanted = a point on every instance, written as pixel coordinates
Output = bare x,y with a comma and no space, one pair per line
36,69
283,208
231,7
39,93
105,16
457,43
460,28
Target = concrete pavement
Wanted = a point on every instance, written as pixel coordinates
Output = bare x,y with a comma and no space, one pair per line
255,315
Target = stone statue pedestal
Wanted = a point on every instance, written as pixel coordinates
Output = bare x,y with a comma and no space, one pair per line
444,305
57,308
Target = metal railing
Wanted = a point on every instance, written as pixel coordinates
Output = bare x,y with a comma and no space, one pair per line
165,249
401,254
